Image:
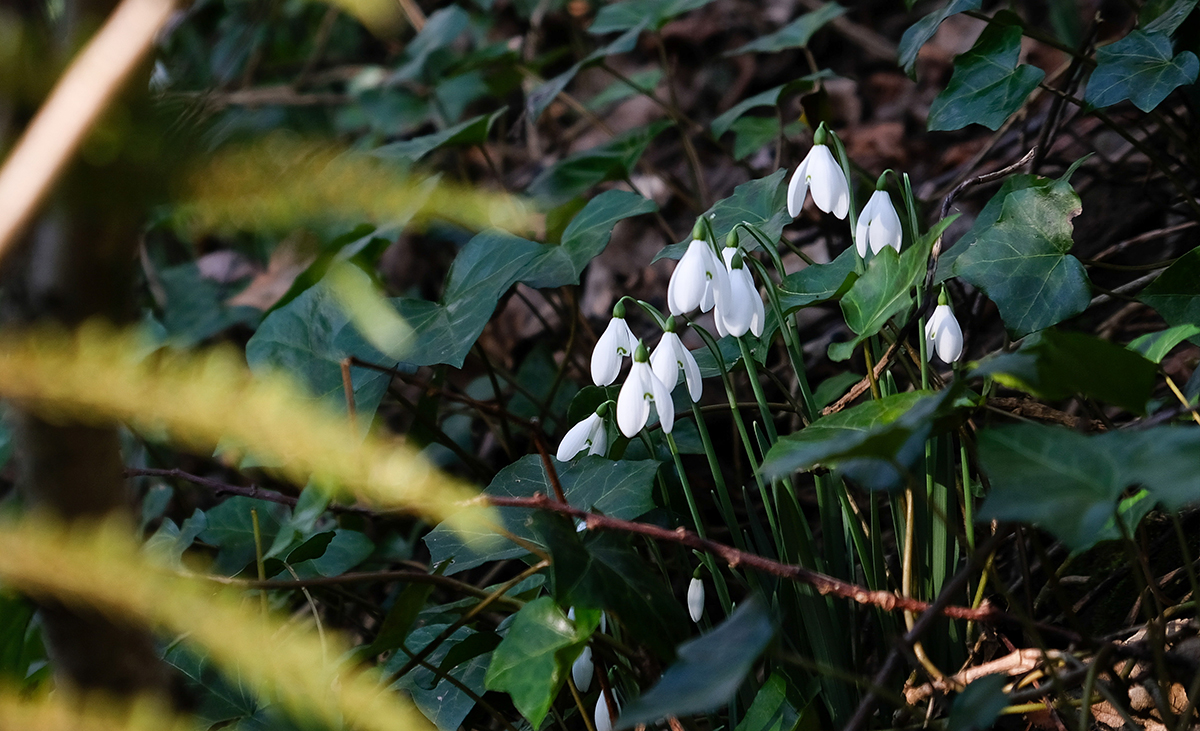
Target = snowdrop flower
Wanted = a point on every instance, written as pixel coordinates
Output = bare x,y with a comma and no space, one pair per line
878,224
639,389
741,309
614,344
587,435
942,333
582,670
822,174
698,278
670,357
695,598
603,718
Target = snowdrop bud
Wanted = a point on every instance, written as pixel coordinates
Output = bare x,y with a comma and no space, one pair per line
613,345
878,225
603,718
820,173
587,435
582,670
695,598
943,335
640,389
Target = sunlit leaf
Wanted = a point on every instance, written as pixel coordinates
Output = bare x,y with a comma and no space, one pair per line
771,709
1142,68
709,670
988,85
1020,260
1155,346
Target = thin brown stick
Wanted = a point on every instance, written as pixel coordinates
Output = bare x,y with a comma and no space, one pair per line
823,583
223,488
79,98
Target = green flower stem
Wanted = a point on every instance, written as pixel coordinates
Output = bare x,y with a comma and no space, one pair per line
759,396
869,357
723,501
968,499
709,563
741,427
791,342
844,159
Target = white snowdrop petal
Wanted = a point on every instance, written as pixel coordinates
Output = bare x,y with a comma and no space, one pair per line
611,346
632,407
760,316
603,720
798,188
740,310
662,402
695,599
664,363
862,231
582,670
821,181
686,288
599,439
691,374
577,438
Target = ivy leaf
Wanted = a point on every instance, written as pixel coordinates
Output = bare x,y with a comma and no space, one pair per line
620,489
471,132
1164,16
613,160
771,709
532,660
540,98
919,33
768,98
1162,459
818,282
584,239
795,34
1055,365
1175,294
709,670
653,14
987,85
230,527
441,700
1155,346
760,202
1141,68
979,704
1021,262
1052,477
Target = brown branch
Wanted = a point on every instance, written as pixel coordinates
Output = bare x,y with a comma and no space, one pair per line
823,583
223,488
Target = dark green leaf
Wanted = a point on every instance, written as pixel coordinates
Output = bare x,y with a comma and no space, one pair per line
795,34
979,704
219,699
751,134
643,82
988,85
399,619
760,202
818,283
1162,459
586,236
613,160
653,14
170,541
919,33
601,571
471,132
731,352
532,661
877,443
1021,262
308,339
884,291
195,308
346,549
771,709
620,489
231,529
442,701
1052,477
1141,68
20,641
1055,365
833,387
1175,294
423,53
1155,346
709,669
540,98
1164,16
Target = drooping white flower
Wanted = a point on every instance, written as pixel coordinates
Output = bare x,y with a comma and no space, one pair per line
740,309
614,344
820,173
587,435
670,357
603,718
583,669
697,280
878,225
943,335
640,389
695,598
